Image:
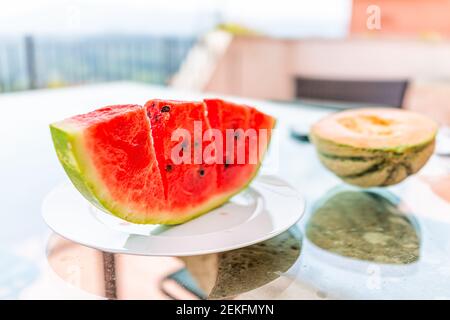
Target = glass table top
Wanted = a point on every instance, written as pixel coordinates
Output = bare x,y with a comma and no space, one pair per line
351,243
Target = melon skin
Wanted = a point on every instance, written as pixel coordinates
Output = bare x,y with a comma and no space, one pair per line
63,142
379,166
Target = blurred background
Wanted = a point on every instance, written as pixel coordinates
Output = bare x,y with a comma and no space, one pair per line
50,43
387,52
360,51
307,56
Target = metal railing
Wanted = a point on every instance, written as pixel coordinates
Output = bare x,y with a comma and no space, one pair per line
43,62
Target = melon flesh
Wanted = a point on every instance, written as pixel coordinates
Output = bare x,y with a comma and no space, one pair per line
232,172
189,186
224,116
374,146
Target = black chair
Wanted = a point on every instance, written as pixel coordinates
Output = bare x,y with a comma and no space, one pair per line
386,93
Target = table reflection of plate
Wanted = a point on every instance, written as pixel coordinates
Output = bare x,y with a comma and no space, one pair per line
267,208
266,266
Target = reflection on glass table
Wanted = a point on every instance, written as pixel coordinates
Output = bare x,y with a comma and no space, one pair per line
358,244
364,225
16,273
213,276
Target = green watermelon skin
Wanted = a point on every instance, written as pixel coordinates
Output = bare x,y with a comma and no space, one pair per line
62,141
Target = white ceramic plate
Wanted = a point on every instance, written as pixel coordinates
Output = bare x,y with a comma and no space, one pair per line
265,209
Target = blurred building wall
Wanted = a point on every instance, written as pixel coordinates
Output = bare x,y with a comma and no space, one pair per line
254,67
266,68
262,67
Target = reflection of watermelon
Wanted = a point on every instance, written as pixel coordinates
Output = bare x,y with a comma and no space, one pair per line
119,158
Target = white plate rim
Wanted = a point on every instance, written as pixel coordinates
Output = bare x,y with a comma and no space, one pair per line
293,221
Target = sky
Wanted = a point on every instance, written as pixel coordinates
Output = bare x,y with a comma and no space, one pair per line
285,18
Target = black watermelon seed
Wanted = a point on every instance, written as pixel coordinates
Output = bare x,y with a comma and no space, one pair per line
165,109
201,172
169,168
226,165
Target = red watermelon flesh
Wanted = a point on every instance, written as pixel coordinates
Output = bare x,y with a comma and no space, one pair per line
264,124
232,174
109,156
224,115
187,184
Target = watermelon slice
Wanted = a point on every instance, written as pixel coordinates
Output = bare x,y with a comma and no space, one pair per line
109,156
121,158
